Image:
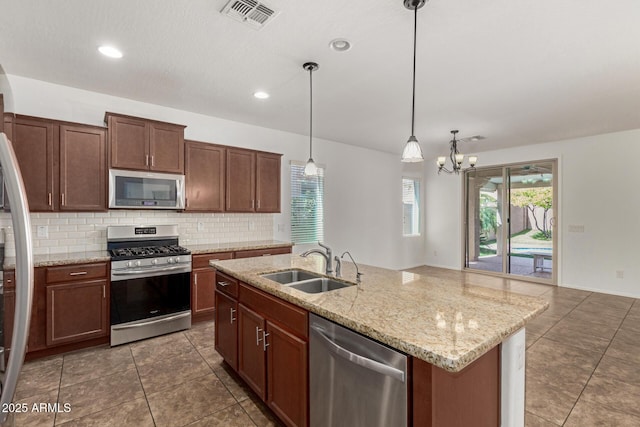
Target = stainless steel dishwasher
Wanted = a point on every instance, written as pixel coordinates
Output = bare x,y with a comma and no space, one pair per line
353,380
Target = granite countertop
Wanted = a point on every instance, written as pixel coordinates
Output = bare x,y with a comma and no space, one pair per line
441,321
49,260
206,248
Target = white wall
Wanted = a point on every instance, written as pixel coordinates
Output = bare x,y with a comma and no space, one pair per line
598,188
363,187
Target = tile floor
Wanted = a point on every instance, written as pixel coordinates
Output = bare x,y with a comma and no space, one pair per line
173,380
583,355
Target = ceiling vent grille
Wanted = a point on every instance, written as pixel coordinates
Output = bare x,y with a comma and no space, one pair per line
250,12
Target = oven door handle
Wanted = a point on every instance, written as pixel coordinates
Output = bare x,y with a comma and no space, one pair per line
149,270
152,322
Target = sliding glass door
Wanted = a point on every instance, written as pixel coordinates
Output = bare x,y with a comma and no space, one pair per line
510,220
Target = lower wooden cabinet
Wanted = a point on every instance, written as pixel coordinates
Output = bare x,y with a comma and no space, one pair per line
76,311
252,348
203,285
226,331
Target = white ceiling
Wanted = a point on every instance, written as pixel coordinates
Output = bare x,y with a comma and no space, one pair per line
517,72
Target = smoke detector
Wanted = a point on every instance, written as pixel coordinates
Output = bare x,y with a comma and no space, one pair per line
250,12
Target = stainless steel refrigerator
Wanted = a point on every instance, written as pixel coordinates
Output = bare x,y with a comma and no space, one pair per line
10,173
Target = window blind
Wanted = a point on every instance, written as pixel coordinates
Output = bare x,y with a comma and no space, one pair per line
411,206
307,205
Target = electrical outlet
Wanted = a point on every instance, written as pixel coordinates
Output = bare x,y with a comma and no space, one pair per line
280,227
200,226
43,231
435,253
576,228
252,226
619,274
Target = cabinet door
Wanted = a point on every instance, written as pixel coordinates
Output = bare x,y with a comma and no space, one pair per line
287,362
129,142
226,339
241,188
83,168
166,148
251,350
33,143
76,311
203,291
267,182
205,176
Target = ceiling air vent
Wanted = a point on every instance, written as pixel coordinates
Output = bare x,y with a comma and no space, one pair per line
250,12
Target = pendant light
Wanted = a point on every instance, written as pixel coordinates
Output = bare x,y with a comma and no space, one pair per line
412,151
310,169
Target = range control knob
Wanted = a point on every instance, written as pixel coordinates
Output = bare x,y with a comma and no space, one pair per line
129,264
154,261
177,259
138,263
171,261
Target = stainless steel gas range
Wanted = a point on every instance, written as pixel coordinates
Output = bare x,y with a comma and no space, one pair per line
150,282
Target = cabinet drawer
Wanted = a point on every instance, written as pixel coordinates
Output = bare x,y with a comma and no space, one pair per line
202,261
263,252
287,315
226,284
69,273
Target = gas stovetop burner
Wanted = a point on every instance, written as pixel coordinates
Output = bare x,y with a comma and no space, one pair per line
147,252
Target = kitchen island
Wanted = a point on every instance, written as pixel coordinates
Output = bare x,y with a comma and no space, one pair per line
458,335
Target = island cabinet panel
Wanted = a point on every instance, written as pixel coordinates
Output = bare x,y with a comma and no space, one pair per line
33,142
287,393
76,311
226,330
83,168
146,145
205,176
267,182
251,350
278,330
241,176
465,398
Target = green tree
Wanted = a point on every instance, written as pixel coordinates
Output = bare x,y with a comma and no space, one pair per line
532,198
488,213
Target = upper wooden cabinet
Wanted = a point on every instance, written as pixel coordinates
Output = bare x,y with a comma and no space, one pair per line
205,176
83,168
142,144
63,165
253,181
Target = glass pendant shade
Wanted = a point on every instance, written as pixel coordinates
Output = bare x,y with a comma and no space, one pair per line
412,151
310,168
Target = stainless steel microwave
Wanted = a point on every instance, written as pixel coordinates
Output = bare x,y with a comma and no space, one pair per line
145,190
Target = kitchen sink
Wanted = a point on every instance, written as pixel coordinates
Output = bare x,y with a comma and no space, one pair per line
290,276
321,284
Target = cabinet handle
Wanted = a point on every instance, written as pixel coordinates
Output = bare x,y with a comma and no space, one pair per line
195,279
152,162
49,199
223,284
77,273
265,344
258,339
258,203
266,254
146,160
63,202
233,319
253,202
104,292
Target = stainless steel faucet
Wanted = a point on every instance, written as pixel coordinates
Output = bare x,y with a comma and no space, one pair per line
326,255
358,274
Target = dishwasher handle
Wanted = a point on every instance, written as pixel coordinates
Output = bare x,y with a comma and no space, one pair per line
365,362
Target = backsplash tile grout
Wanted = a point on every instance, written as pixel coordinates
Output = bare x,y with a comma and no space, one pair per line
87,231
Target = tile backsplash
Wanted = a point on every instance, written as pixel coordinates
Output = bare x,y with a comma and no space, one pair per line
80,232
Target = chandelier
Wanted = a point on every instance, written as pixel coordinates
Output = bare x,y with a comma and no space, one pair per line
456,158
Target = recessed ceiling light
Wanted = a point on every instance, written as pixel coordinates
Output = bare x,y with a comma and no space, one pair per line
261,95
340,45
110,51
476,138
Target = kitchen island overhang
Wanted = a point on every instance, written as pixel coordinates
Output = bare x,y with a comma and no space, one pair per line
445,323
